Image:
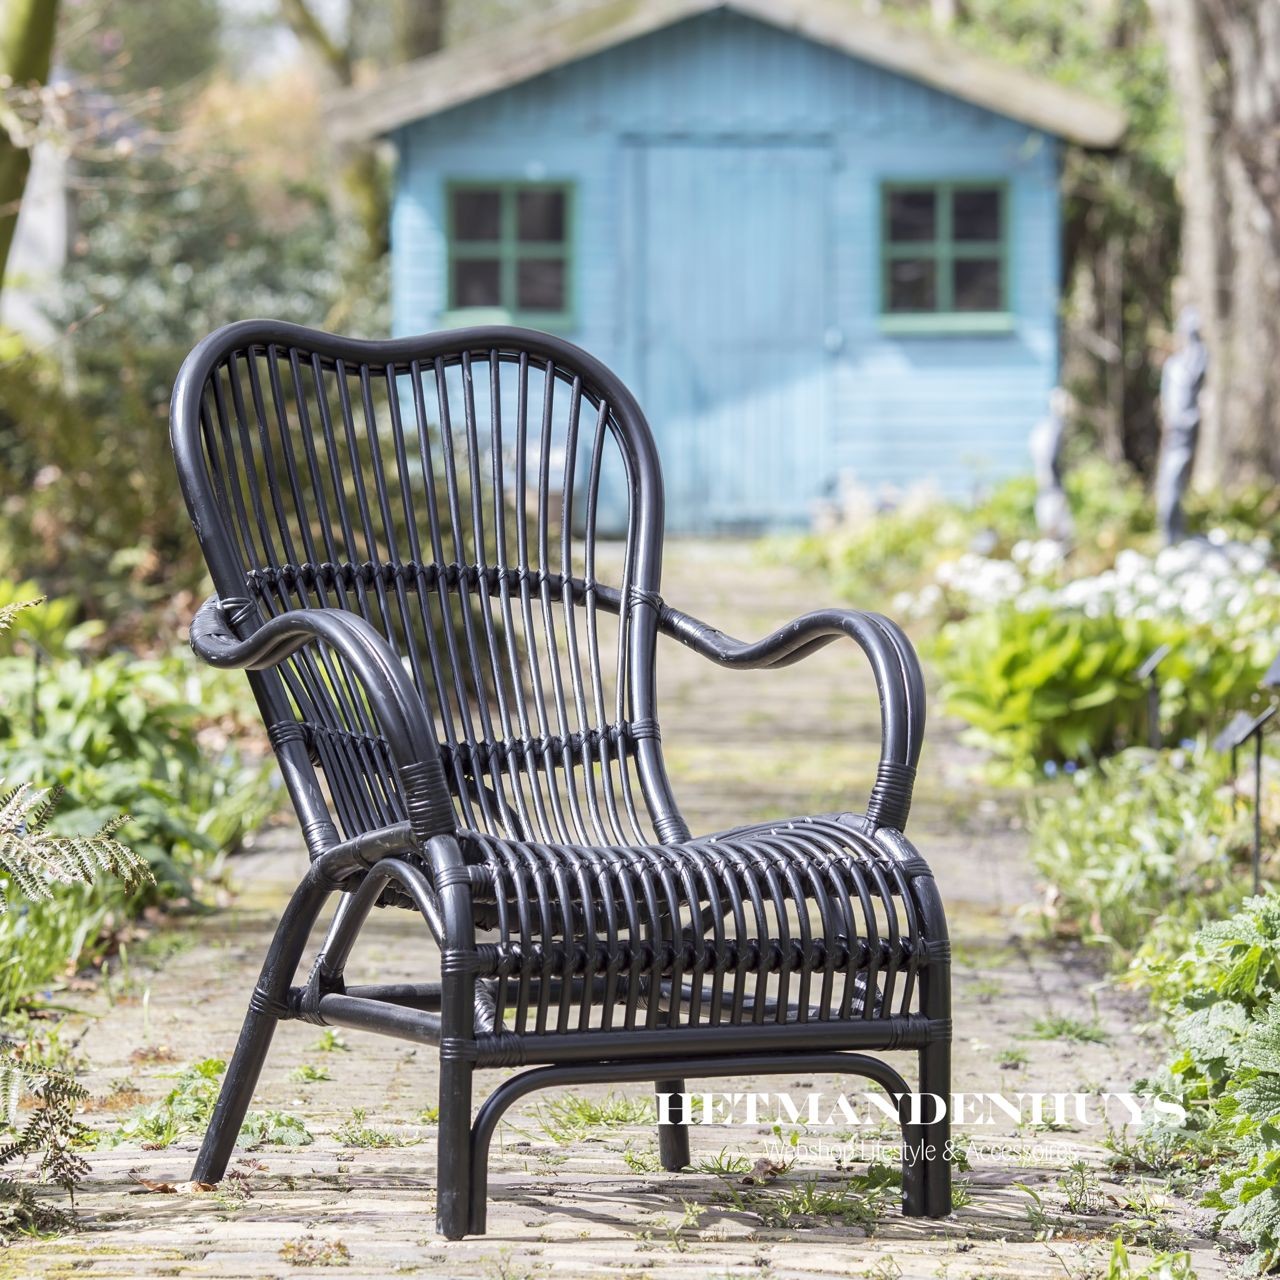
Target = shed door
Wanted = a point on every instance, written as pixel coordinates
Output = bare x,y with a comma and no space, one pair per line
732,290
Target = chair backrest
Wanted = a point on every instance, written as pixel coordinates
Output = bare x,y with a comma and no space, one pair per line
455,490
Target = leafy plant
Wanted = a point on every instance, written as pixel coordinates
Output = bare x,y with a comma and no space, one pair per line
646,1160
188,1106
1064,1027
154,738
308,1074
274,1129
1081,1188
856,1201
1042,664
1045,685
1140,849
354,1132
1226,1021
571,1119
330,1041
32,860
1162,1266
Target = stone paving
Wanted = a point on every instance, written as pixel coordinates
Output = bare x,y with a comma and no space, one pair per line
583,1203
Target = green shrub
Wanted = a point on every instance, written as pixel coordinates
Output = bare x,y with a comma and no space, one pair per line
866,560
1141,849
33,859
1107,501
155,739
1244,514
1051,685
873,556
1221,997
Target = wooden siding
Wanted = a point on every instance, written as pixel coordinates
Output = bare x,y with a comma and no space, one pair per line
892,409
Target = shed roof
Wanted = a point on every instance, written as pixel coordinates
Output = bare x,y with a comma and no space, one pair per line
527,48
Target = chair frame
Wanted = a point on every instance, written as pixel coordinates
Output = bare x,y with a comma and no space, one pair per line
428,860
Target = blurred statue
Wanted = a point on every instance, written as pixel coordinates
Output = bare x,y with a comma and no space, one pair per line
1181,381
1053,512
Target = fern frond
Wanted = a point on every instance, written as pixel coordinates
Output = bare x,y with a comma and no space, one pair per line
13,1079
41,810
10,611
34,859
50,1133
13,807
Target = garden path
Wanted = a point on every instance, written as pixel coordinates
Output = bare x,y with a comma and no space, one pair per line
566,1204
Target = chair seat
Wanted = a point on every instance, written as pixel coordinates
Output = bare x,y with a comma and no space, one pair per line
795,920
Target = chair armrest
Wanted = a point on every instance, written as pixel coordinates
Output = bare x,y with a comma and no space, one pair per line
899,684
395,704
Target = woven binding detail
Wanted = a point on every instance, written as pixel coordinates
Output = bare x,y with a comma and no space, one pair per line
890,801
453,875
671,827
426,800
284,732
412,574
638,596
549,749
459,1048
502,1049
239,611
262,1002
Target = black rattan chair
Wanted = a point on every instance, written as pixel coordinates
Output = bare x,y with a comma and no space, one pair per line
405,540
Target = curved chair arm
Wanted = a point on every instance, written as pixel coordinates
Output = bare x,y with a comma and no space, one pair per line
899,683
393,700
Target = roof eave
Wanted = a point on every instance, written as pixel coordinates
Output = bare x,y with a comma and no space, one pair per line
534,46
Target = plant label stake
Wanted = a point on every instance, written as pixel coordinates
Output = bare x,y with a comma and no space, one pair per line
1148,672
1242,727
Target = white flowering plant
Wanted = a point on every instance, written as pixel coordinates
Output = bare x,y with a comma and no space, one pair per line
1042,665
869,552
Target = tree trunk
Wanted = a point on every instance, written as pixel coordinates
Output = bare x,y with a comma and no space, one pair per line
26,49
419,28
1224,58
361,192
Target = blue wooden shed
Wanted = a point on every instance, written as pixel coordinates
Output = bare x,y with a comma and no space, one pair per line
815,244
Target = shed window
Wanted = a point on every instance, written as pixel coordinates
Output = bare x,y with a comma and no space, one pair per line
945,254
509,249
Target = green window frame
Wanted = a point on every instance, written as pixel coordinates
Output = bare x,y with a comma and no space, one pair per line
501,264
935,258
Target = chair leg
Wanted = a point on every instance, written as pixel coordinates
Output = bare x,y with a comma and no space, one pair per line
935,1057
935,1078
913,1176
453,1159
457,941
237,1092
673,1138
259,1026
